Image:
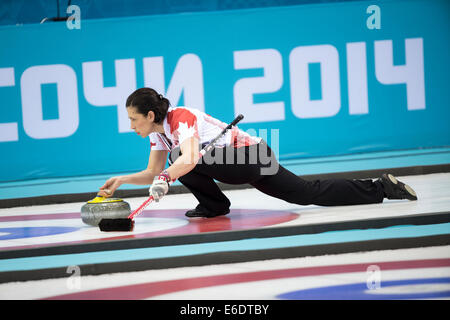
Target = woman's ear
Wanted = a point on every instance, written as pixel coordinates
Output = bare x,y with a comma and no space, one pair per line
151,116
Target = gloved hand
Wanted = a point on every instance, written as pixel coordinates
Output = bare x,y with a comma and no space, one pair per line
160,186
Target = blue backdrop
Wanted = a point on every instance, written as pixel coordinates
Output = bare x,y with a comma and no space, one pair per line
319,79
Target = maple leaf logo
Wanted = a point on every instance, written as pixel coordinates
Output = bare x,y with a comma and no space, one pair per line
185,131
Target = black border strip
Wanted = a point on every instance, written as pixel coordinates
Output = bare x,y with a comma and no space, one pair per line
229,257
372,223
362,174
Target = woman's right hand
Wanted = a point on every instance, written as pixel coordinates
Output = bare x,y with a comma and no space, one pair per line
110,186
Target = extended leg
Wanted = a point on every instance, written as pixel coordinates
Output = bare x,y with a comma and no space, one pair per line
332,192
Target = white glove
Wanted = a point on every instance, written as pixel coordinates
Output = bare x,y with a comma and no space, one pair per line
160,186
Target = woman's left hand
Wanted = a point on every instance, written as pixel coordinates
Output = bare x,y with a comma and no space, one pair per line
160,186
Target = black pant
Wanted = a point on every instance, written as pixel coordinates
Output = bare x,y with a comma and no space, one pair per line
258,166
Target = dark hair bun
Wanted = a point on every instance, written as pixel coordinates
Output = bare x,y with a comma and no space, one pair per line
147,99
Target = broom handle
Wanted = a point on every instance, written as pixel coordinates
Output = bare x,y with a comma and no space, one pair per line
213,142
202,153
141,208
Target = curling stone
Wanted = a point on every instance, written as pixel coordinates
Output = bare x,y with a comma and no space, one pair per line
104,208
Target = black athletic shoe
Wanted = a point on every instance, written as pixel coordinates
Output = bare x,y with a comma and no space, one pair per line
201,212
395,189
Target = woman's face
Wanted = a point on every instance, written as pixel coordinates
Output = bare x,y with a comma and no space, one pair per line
141,124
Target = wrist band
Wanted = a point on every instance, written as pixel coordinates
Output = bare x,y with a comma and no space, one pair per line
166,175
